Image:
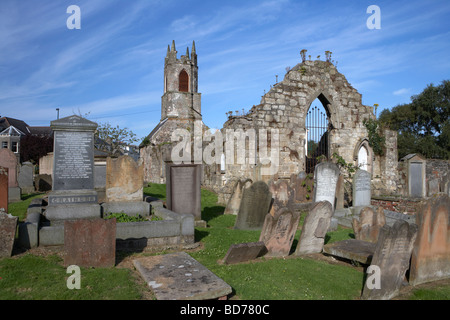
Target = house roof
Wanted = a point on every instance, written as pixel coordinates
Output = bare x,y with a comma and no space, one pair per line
6,122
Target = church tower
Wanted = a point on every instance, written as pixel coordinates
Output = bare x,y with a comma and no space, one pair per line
181,99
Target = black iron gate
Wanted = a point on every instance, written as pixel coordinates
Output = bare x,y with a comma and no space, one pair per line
316,137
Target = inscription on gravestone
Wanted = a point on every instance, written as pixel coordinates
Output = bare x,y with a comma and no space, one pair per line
74,161
361,188
255,204
183,189
325,175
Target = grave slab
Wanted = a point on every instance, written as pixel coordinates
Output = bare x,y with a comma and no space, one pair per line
351,249
178,276
243,252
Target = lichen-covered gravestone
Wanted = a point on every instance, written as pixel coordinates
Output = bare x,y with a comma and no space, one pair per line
315,228
278,232
390,261
8,224
234,202
368,227
124,179
4,188
431,254
255,204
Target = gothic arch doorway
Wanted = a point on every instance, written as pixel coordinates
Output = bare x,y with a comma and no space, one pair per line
317,124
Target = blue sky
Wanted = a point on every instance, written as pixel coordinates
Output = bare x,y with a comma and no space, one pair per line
112,68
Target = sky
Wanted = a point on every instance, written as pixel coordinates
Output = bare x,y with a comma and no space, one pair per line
111,69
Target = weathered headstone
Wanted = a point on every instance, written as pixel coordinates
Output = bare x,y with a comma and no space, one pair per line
234,202
243,252
8,224
278,232
255,204
90,242
340,192
368,226
431,254
351,249
124,179
178,276
362,191
303,186
183,187
433,186
4,188
73,195
282,193
315,228
390,261
325,179
25,178
9,160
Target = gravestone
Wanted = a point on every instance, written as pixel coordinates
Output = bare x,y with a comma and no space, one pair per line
278,232
234,202
351,249
90,242
431,254
361,188
303,186
315,228
178,276
255,204
243,252
391,256
325,179
368,226
8,225
9,160
73,195
433,186
25,178
124,179
282,193
4,188
340,192
183,187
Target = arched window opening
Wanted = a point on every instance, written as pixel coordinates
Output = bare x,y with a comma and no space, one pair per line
363,157
183,81
317,125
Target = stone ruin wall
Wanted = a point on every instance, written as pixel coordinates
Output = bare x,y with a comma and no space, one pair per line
285,107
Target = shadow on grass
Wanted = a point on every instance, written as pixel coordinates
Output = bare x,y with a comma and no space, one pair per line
200,234
210,213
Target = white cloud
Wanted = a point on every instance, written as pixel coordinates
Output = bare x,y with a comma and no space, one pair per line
402,91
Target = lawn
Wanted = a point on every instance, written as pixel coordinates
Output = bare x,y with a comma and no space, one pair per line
42,276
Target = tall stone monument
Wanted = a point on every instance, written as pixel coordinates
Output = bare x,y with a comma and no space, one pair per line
73,195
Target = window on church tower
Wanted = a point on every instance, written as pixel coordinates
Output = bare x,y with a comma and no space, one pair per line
183,81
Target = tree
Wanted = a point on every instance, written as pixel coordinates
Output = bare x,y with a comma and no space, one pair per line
33,147
423,125
113,139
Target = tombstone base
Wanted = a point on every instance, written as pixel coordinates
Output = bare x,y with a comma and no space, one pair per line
59,213
14,194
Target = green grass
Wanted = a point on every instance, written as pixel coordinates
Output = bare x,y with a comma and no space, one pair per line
292,278
19,209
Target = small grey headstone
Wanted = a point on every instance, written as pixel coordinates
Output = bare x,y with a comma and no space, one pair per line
361,188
